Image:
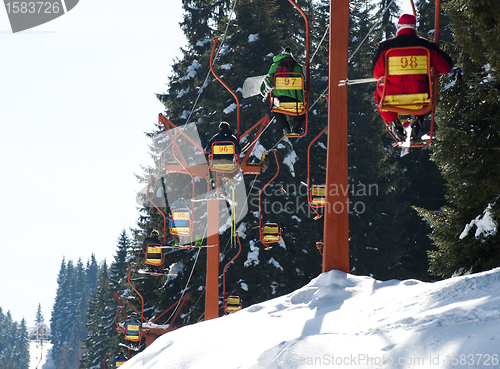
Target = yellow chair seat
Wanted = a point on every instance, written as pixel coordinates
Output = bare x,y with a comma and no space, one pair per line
225,167
408,101
290,107
154,261
318,201
269,238
182,231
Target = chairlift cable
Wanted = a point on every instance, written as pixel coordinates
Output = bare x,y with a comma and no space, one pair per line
317,48
187,285
370,31
256,138
209,72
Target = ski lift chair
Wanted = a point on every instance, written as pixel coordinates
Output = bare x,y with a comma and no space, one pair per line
318,195
223,157
293,81
133,331
409,61
180,223
270,233
118,361
154,255
232,304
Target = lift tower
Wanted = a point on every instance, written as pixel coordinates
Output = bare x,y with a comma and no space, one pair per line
336,226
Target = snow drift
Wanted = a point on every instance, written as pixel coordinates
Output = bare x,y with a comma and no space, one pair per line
342,320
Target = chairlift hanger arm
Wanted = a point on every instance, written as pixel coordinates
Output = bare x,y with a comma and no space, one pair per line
120,300
230,261
142,300
261,124
309,195
267,184
161,212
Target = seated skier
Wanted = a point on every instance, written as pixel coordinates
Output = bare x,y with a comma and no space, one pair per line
283,63
408,83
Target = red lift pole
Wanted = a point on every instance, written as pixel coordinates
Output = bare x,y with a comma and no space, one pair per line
213,254
336,233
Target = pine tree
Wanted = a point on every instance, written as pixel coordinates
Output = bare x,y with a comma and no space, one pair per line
119,267
59,313
39,316
467,148
14,343
466,154
101,332
69,313
22,354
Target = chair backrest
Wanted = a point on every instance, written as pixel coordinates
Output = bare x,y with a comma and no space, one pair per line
118,362
407,61
223,157
154,255
181,222
133,331
409,64
318,195
294,81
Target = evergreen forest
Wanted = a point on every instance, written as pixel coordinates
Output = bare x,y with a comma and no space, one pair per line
14,343
419,220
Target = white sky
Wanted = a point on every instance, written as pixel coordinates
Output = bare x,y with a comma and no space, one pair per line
76,96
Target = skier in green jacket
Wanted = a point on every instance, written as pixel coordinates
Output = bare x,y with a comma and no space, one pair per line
282,64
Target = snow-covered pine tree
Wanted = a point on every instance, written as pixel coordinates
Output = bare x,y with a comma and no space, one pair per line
465,230
69,313
59,312
101,339
119,267
14,343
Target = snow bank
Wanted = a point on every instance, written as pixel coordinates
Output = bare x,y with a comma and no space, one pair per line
347,321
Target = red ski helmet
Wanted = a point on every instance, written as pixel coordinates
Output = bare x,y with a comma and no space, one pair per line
407,21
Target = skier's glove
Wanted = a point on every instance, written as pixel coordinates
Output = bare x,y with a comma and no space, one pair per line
456,73
268,85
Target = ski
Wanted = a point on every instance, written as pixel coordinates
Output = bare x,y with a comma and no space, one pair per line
405,146
186,246
129,347
156,274
251,86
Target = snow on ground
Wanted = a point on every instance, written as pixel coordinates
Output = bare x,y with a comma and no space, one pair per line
347,321
40,356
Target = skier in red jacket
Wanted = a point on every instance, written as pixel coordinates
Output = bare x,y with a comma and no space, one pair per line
408,83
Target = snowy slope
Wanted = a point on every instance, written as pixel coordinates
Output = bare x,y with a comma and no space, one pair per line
40,356
347,321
